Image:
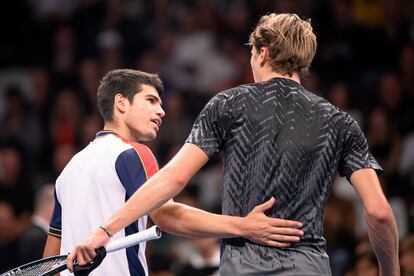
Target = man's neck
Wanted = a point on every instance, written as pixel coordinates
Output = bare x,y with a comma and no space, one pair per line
121,131
265,76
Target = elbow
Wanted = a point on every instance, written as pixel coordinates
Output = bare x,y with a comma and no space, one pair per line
167,217
179,183
161,220
162,224
380,215
176,180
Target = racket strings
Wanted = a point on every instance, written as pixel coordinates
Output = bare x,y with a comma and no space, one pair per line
39,268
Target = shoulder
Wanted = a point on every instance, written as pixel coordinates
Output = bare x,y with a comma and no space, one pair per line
334,113
143,154
238,91
227,98
346,119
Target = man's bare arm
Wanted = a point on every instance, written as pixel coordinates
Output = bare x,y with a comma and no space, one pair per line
183,220
52,247
382,229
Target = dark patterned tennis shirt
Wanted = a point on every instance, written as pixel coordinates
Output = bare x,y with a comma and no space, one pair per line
279,140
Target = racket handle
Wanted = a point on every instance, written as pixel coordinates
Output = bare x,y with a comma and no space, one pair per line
149,234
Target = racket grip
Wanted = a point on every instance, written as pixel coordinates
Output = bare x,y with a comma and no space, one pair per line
149,234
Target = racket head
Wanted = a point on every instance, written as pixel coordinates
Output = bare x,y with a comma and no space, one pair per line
43,267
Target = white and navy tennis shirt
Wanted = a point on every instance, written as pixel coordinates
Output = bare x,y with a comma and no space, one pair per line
96,183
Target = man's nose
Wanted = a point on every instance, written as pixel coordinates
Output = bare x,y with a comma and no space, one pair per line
161,112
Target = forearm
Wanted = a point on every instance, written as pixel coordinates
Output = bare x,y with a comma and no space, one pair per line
183,220
52,247
383,235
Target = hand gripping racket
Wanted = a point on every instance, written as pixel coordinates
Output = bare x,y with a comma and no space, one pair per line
52,265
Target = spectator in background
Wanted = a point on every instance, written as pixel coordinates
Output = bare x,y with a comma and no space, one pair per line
396,104
407,256
43,207
406,71
406,67
19,122
40,86
339,221
89,76
364,261
109,42
64,51
21,241
204,260
61,156
12,165
339,96
384,142
406,164
209,182
160,265
199,65
176,125
65,117
90,126
366,264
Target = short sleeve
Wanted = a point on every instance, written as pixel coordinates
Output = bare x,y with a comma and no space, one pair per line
211,127
355,154
135,166
55,226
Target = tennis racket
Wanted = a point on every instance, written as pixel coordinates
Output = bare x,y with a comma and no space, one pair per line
52,265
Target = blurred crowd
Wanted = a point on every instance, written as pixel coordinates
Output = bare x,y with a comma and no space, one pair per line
54,52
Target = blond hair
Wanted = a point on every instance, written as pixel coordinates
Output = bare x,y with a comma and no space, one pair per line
290,41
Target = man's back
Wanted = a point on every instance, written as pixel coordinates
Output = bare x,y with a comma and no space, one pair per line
278,140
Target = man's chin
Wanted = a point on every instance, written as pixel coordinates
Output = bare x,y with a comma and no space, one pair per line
149,137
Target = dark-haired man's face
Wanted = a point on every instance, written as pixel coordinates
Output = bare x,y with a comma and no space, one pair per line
144,114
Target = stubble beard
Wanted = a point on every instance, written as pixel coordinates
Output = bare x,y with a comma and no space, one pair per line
141,137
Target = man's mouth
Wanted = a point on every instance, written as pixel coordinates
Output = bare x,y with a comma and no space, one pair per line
157,122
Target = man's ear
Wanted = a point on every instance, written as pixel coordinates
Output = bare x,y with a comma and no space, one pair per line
263,54
119,103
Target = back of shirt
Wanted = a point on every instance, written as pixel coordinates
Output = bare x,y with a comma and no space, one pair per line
279,140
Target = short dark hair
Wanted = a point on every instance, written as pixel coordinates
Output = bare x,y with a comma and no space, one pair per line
127,82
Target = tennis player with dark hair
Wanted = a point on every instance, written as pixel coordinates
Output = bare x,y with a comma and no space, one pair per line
279,140
99,179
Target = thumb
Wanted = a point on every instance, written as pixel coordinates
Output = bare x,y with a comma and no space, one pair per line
266,205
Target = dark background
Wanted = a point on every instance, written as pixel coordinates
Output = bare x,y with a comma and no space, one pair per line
54,52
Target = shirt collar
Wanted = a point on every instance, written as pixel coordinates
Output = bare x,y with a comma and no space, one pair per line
105,132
